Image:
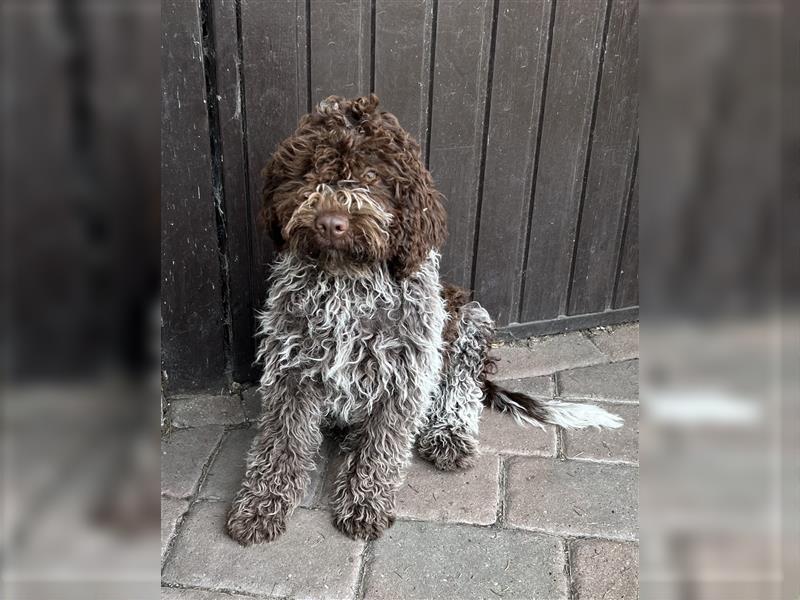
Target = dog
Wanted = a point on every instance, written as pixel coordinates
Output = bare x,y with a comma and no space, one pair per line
359,334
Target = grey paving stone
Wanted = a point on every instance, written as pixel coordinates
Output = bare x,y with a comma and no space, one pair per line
614,381
499,432
183,455
195,411
619,343
226,472
172,510
469,496
429,560
184,594
572,497
546,355
310,560
541,387
251,398
604,569
607,444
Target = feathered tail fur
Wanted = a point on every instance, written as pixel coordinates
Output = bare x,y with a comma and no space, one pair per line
526,409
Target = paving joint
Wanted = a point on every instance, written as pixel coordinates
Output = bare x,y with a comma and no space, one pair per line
560,444
193,499
502,475
571,536
226,591
602,461
361,581
609,401
568,559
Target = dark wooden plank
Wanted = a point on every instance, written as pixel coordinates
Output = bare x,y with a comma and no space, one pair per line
627,285
403,31
577,41
611,164
519,65
235,179
191,306
463,32
340,48
276,96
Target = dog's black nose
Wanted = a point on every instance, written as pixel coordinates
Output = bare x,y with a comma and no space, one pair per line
332,225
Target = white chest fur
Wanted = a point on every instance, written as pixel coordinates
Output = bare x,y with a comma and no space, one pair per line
354,338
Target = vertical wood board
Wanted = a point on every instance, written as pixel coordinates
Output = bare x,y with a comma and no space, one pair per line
192,338
577,40
520,60
402,62
610,165
463,37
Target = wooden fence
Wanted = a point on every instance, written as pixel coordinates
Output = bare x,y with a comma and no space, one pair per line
526,112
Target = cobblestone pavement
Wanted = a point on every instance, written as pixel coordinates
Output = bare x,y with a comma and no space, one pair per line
544,514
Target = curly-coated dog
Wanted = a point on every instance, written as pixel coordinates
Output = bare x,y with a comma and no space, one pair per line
358,333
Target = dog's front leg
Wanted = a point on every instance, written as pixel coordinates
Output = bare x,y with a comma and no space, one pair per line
280,458
364,495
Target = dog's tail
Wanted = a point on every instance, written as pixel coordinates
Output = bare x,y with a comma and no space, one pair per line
526,409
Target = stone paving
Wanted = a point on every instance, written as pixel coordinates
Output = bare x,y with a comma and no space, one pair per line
546,514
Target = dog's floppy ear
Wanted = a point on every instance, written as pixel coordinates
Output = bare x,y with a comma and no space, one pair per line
282,176
423,222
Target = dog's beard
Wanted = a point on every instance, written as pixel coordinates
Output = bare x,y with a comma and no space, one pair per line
367,238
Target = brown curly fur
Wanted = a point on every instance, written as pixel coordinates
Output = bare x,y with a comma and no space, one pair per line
454,298
351,140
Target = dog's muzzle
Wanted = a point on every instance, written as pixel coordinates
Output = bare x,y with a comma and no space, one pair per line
347,221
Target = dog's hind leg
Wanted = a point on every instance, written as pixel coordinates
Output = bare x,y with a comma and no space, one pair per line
449,439
280,458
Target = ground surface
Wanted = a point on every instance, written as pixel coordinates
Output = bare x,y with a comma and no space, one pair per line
544,514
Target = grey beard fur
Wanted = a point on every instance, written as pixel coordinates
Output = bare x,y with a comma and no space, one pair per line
348,332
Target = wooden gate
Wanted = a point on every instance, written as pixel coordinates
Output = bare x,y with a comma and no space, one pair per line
526,112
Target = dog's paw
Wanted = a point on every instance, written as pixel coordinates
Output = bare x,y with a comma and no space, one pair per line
363,522
251,525
448,450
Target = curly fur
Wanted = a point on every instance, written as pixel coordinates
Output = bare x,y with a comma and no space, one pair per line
359,349
358,334
349,143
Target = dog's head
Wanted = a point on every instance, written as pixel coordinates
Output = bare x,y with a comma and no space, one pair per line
349,187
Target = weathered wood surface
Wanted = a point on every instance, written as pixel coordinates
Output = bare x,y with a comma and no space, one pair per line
626,291
234,180
275,91
525,111
520,63
461,68
610,165
571,87
402,65
341,34
193,332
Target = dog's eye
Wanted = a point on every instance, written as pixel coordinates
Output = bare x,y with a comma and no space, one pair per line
370,175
